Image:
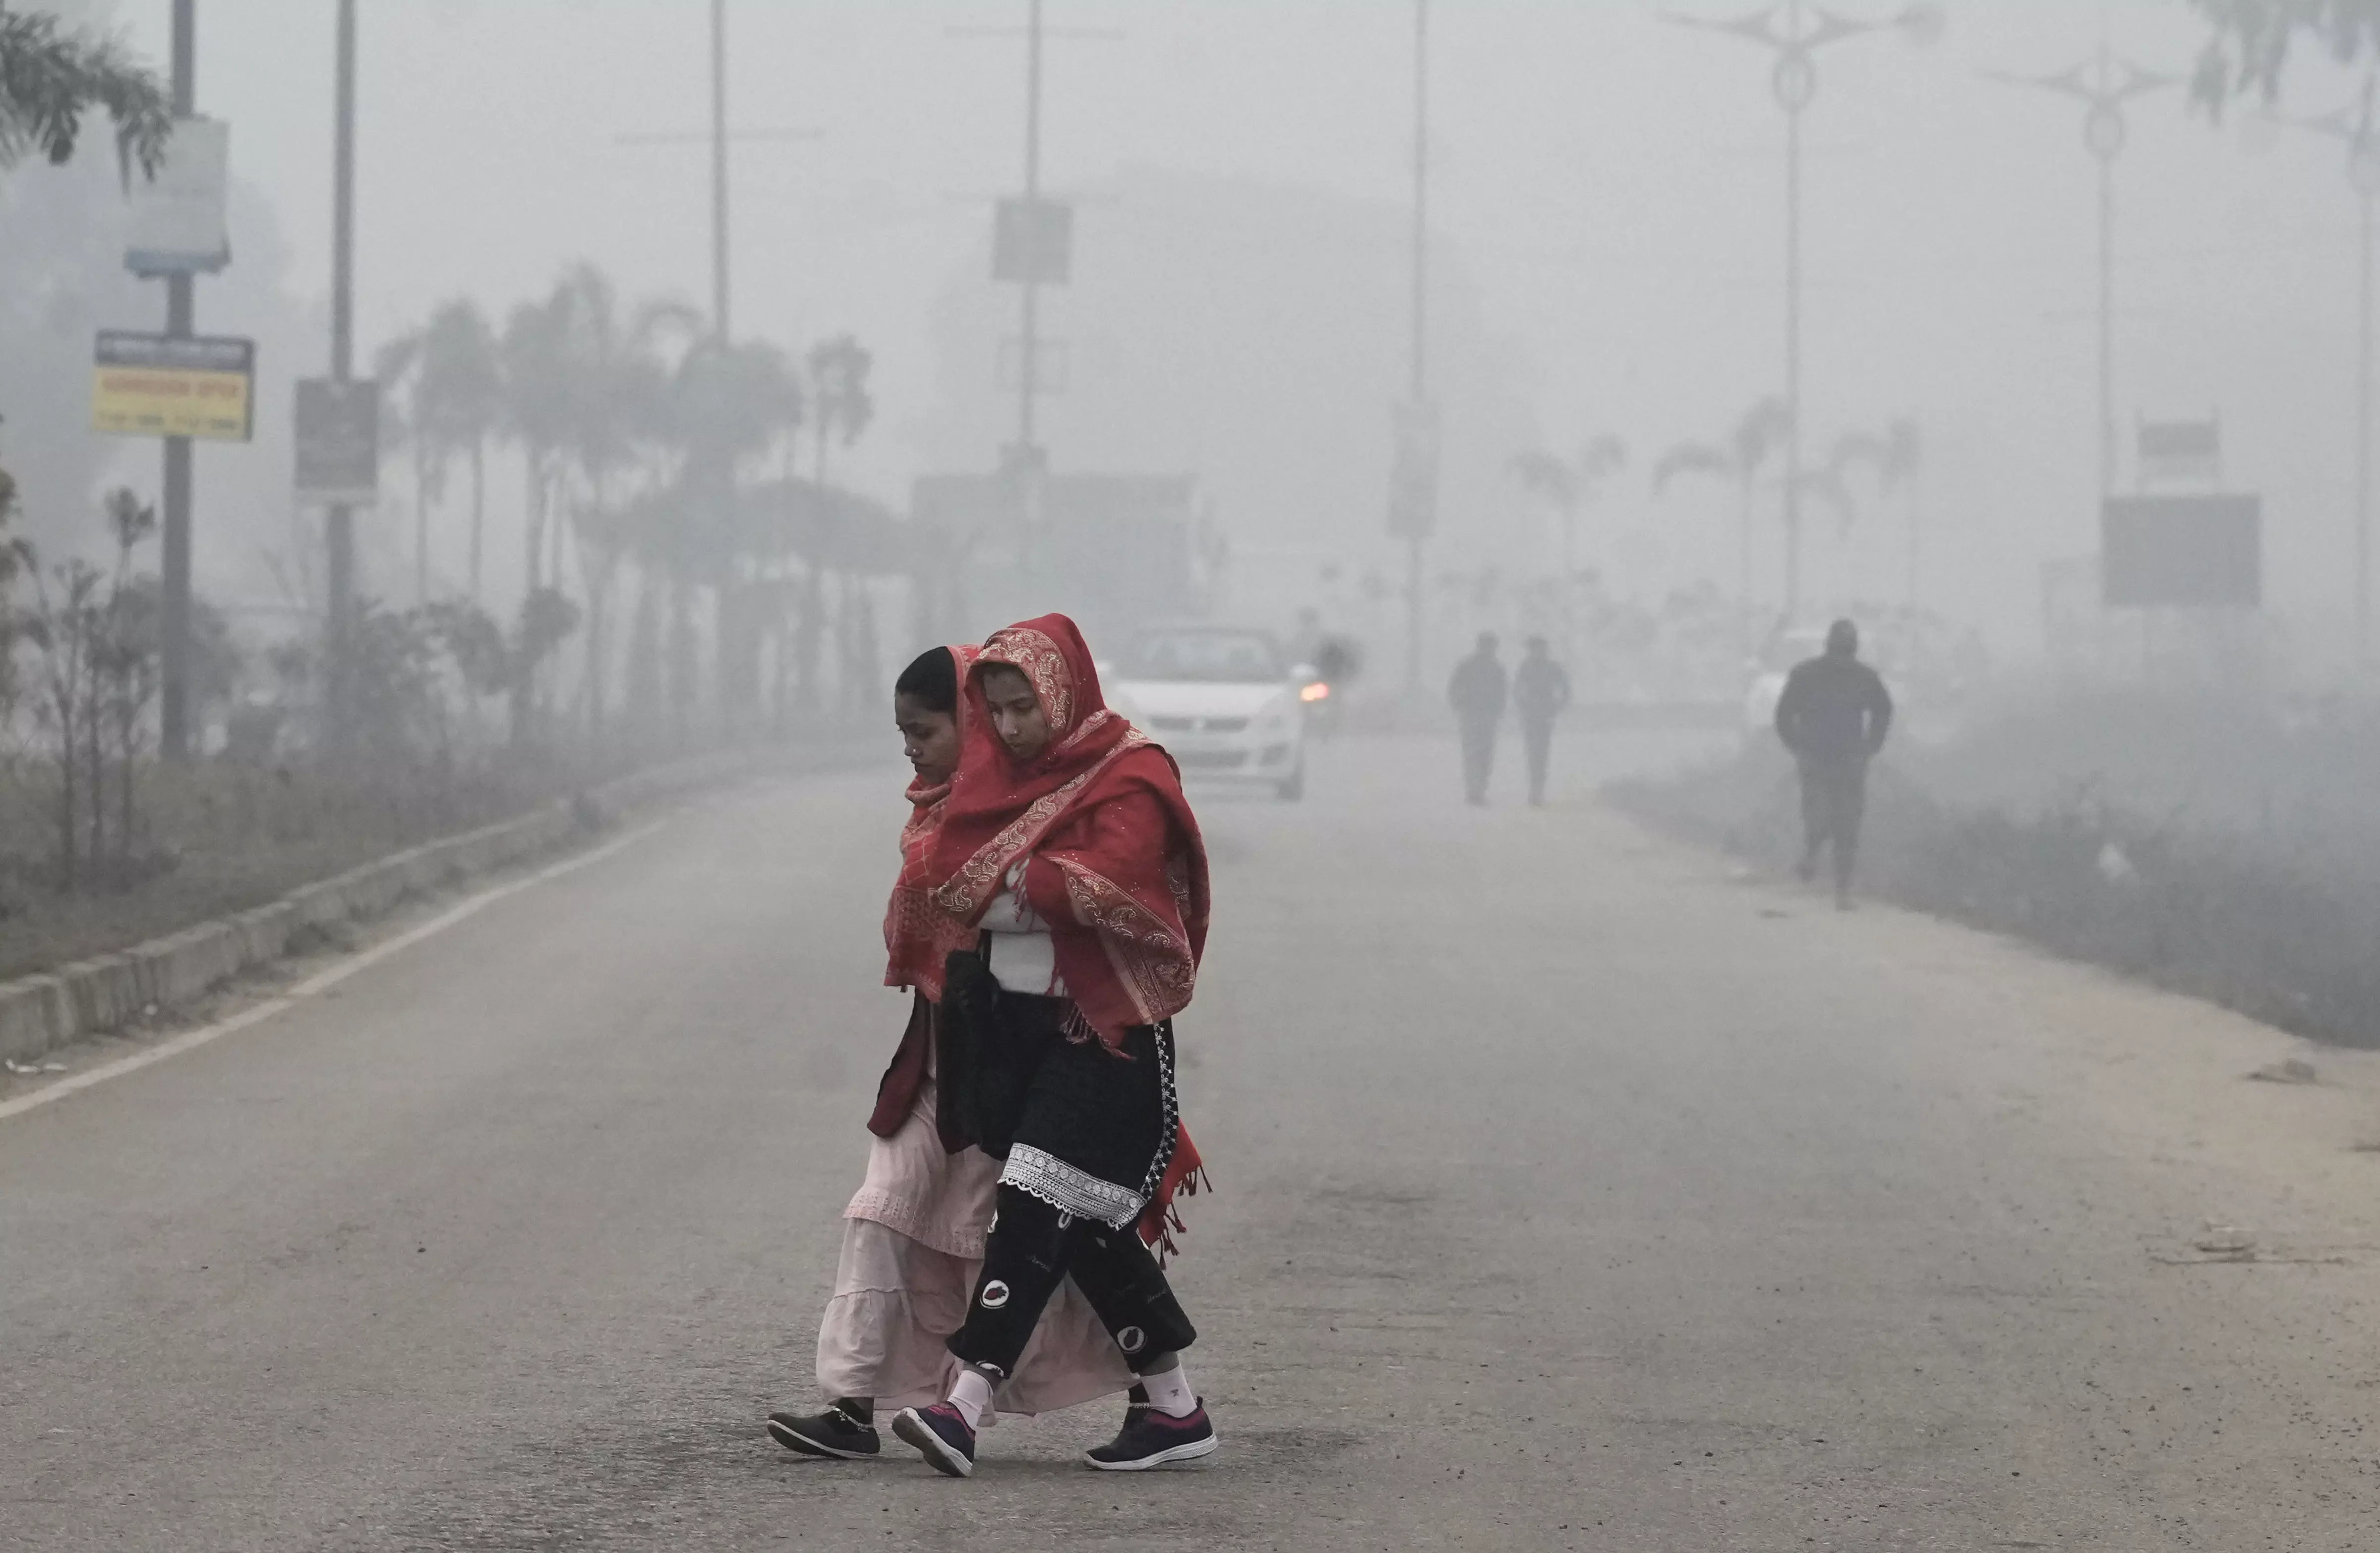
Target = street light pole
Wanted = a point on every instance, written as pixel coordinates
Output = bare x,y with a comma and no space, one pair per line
720,321
2106,308
2356,125
1418,390
340,533
174,644
1795,83
1786,30
2367,173
1028,336
2102,84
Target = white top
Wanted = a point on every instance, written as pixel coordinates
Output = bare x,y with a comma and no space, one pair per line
1022,957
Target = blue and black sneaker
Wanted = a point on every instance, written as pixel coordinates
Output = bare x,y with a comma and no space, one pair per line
940,1435
1151,1437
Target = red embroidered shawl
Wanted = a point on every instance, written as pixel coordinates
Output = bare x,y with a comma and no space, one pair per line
1114,861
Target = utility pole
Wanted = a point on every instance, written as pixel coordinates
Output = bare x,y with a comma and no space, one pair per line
720,321
2102,84
340,531
2355,124
174,645
1785,30
1417,389
1032,239
1028,347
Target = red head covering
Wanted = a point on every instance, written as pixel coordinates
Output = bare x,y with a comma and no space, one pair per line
1112,857
917,937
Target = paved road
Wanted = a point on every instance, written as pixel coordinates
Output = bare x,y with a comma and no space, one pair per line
1573,1193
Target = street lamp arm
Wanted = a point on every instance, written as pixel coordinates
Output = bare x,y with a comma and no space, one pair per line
1760,25
1833,29
2066,83
2139,82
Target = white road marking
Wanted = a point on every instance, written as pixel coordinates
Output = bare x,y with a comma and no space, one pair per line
323,980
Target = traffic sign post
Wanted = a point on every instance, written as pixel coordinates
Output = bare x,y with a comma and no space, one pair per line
1413,476
1033,241
2190,552
338,441
167,385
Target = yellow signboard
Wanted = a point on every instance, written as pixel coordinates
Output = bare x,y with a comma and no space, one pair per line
156,385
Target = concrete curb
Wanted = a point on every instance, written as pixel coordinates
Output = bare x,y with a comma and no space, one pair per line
40,1013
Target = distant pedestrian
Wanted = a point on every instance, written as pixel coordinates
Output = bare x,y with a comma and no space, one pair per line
1477,691
1834,715
1540,693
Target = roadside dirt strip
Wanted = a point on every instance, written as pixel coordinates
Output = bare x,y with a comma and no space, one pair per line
100,996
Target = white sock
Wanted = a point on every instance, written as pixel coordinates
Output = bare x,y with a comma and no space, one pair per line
971,1393
1171,1393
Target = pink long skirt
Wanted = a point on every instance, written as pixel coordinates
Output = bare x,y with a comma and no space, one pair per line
912,1245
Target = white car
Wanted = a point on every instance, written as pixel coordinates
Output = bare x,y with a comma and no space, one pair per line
1776,660
1222,701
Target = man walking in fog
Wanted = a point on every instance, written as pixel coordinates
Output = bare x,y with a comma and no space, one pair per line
1540,693
1834,715
1479,692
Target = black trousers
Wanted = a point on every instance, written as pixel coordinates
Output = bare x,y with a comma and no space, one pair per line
1478,759
1834,801
1537,740
1031,1247
1085,1123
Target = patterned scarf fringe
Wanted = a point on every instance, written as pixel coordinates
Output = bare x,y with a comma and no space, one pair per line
1077,1029
1170,1224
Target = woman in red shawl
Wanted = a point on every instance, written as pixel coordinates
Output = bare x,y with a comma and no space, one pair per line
913,1235
1067,847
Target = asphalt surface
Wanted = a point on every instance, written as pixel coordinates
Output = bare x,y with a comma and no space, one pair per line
1571,1192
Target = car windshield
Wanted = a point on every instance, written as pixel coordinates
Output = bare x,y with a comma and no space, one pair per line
1211,656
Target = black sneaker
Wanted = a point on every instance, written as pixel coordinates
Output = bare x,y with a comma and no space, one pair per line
940,1435
1151,1437
833,1432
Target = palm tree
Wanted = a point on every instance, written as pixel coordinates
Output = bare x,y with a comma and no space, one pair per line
396,368
2250,40
1740,458
617,422
723,406
1897,457
457,403
1570,486
840,406
1828,483
50,78
536,357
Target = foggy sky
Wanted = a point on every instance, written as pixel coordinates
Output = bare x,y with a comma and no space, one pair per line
1612,184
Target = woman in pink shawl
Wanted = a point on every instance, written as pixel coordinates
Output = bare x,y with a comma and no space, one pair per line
914,1234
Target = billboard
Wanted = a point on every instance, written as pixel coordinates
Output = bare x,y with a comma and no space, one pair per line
2182,451
338,441
1033,241
156,385
178,217
2182,553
